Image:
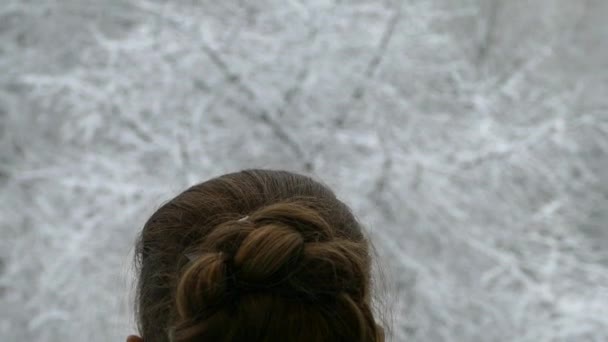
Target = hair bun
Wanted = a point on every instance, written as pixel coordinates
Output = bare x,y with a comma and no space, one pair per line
255,255
285,249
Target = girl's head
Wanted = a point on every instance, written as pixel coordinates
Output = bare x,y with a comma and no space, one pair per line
256,255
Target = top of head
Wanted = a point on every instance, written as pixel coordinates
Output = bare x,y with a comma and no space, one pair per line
297,268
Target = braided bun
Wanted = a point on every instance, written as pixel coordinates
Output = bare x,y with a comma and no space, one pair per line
296,269
283,255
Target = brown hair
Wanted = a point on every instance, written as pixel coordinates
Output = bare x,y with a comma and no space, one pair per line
256,255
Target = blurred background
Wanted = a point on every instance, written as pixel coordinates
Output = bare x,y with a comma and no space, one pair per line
469,136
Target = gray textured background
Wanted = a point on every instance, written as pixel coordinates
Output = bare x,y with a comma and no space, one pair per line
470,136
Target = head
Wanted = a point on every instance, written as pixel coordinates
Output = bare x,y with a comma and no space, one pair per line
256,255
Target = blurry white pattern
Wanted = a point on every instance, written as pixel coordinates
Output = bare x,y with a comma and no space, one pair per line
470,136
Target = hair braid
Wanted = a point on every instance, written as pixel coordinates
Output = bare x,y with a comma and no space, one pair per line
290,270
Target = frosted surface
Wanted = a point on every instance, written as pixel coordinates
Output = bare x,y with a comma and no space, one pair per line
471,137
